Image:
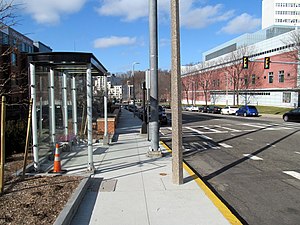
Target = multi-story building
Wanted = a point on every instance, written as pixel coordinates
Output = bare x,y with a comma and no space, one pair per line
280,12
13,61
14,48
221,79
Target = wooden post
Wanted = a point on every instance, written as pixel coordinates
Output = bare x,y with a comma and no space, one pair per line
177,160
2,161
27,137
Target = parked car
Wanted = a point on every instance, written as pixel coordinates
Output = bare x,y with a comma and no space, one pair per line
203,108
247,110
162,116
229,110
292,115
192,108
214,109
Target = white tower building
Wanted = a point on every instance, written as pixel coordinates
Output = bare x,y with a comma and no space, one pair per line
280,12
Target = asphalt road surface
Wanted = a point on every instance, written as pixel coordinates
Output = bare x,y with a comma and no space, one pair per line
252,163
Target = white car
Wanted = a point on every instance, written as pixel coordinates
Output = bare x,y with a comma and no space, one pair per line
229,110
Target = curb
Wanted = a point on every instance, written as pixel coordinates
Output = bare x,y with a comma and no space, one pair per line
69,210
228,212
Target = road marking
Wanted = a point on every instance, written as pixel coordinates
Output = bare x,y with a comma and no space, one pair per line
227,128
194,130
252,125
253,157
227,213
293,174
211,145
210,129
250,139
198,132
297,153
225,145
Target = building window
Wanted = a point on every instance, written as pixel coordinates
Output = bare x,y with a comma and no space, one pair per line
253,79
281,76
286,97
13,59
246,80
271,77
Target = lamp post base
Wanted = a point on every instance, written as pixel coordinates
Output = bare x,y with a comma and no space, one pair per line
144,128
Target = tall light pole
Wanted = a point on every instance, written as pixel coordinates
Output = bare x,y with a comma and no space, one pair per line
154,126
133,86
226,73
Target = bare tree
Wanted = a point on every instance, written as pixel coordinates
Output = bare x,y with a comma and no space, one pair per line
293,43
186,88
235,70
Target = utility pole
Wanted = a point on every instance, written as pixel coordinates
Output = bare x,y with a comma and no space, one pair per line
177,162
133,87
155,151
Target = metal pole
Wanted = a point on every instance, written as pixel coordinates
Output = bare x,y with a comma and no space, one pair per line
41,108
148,99
133,86
2,160
154,78
65,105
105,136
52,111
226,88
34,118
177,161
74,104
89,117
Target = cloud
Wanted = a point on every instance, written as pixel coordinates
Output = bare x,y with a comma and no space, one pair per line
202,17
130,10
193,14
241,24
113,41
50,11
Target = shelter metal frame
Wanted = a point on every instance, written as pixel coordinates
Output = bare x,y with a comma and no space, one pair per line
72,64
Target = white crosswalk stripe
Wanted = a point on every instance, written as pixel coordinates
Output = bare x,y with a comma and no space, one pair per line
293,174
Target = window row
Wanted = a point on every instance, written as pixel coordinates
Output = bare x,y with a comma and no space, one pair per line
287,4
287,12
280,77
287,20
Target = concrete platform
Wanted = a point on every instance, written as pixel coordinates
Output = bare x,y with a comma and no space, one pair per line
128,187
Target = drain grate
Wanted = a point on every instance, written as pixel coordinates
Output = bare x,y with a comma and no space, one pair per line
108,185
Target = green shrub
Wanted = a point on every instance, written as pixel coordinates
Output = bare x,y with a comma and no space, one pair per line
15,136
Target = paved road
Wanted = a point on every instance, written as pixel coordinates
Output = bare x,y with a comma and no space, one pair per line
253,163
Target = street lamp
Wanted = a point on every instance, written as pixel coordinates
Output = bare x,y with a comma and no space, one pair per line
133,86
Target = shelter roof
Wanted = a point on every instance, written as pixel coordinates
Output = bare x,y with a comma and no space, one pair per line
72,62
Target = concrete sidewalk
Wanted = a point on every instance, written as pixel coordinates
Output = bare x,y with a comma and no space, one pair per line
130,188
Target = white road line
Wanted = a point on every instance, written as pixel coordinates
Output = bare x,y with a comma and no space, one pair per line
210,145
210,129
162,133
225,145
297,153
293,174
253,125
194,130
227,128
250,139
204,136
253,157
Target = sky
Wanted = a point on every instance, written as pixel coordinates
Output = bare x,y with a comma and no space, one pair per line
117,31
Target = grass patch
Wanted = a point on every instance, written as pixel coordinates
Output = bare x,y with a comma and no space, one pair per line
272,110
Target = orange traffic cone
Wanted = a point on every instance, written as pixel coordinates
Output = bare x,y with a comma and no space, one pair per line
57,164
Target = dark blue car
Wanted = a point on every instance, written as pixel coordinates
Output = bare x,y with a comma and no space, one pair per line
247,110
